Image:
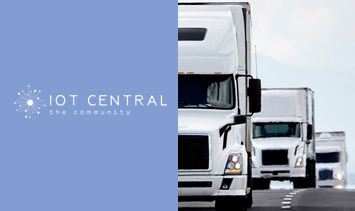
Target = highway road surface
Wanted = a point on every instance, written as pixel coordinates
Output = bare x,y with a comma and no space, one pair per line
298,199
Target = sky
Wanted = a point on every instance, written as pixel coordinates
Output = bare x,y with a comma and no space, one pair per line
304,43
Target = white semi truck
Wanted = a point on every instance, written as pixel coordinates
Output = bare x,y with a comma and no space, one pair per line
331,159
217,95
283,138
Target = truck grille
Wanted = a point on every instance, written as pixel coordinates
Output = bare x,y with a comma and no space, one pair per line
193,152
275,157
325,174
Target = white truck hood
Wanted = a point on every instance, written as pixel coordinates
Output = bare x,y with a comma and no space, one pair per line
328,149
202,120
276,143
328,165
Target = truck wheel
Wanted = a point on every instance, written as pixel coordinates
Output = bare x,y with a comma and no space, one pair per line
261,184
299,183
310,180
266,184
250,198
231,203
311,176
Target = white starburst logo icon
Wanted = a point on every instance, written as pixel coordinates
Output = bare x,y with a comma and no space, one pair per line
30,103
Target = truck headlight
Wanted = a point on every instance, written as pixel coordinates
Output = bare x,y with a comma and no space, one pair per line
338,176
234,164
299,162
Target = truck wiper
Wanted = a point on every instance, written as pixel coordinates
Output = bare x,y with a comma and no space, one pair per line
194,103
205,104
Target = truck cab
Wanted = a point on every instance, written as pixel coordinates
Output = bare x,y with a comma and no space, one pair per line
331,159
283,138
214,107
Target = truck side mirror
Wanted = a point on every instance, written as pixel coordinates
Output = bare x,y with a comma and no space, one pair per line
254,93
240,119
309,132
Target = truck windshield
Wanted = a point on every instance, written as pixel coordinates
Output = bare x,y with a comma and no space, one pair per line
266,130
206,91
330,157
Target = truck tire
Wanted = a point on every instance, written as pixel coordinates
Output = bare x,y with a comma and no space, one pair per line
310,180
250,198
261,184
299,183
231,203
311,176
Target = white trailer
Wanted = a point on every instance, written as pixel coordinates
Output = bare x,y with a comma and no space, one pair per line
214,144
331,159
283,138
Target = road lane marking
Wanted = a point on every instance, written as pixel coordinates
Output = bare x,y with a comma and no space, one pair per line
286,203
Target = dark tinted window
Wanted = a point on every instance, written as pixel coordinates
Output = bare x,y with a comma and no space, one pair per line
331,157
265,130
192,34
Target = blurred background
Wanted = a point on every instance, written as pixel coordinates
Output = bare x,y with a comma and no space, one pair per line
310,44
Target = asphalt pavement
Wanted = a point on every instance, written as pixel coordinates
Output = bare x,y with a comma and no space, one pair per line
298,200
